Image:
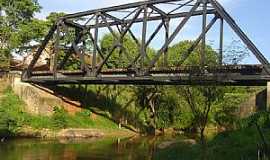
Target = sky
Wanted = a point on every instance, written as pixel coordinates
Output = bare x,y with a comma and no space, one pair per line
253,16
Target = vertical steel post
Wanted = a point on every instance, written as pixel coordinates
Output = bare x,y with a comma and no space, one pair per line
204,19
56,51
172,36
230,21
122,45
94,58
144,30
167,34
116,44
82,56
221,41
196,42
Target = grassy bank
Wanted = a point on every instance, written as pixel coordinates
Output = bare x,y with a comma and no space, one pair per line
234,145
13,118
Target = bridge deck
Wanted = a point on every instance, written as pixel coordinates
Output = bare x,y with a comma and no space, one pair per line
246,75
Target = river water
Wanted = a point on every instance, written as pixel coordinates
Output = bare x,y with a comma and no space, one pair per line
136,148
133,148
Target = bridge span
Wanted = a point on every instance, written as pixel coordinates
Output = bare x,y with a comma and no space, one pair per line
142,68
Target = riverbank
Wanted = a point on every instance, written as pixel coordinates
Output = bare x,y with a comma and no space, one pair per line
15,122
72,133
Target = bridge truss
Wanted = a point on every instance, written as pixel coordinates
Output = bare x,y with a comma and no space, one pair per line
71,34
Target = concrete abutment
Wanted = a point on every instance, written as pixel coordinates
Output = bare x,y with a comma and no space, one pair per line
39,100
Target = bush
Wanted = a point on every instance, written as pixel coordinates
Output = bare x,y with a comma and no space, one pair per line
59,118
260,118
85,113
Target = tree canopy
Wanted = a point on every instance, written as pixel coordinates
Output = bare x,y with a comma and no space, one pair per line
17,24
176,52
122,56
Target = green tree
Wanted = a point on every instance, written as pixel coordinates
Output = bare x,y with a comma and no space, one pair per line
33,31
15,16
176,52
200,100
53,16
122,56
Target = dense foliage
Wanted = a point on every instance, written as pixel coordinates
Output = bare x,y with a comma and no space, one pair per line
17,23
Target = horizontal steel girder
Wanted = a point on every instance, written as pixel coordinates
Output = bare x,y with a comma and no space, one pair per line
218,79
120,7
138,20
246,75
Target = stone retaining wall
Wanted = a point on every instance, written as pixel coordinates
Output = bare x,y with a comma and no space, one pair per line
39,100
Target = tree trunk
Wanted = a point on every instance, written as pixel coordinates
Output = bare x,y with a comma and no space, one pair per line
203,144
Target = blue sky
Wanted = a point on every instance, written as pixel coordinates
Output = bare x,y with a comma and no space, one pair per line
253,16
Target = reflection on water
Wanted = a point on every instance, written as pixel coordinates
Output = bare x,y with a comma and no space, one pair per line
96,149
135,148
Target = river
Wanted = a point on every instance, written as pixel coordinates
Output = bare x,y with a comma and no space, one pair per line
136,148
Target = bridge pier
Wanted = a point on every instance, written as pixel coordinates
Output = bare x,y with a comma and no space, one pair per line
263,99
268,97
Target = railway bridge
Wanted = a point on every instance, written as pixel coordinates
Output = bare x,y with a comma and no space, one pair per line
146,22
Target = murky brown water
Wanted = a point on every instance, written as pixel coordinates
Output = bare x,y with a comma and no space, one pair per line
92,149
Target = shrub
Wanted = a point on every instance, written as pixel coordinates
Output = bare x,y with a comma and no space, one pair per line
59,118
85,113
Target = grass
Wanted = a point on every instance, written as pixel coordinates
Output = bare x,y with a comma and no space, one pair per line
15,117
233,145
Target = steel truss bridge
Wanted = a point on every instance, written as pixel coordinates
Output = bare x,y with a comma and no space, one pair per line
86,29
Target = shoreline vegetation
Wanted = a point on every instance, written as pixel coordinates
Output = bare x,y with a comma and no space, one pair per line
15,123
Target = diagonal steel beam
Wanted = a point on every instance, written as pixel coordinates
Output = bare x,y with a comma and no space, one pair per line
152,36
40,49
223,14
172,37
195,43
67,55
181,6
108,26
112,17
161,12
98,48
115,45
73,24
154,33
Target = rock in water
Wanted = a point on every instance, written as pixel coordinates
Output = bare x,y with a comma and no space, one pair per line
167,144
80,133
